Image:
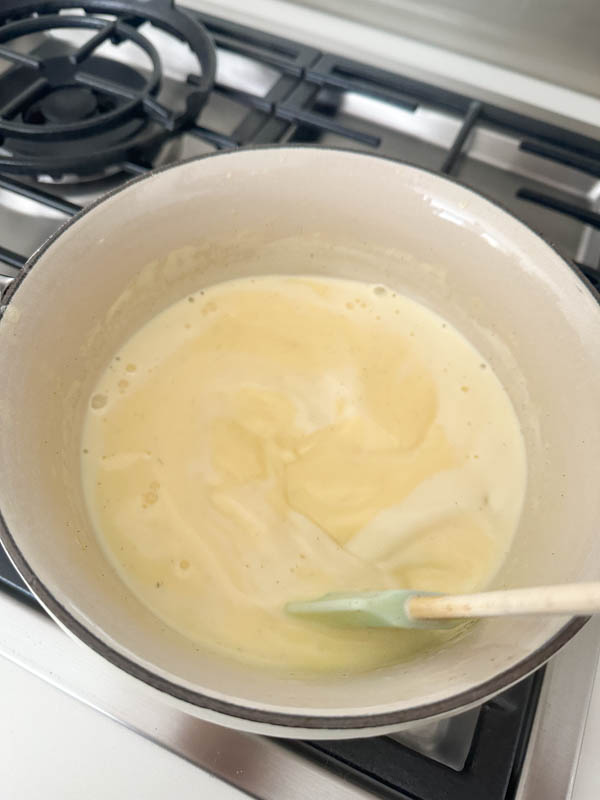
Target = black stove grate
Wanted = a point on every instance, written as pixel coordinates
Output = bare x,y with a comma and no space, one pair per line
296,109
76,112
491,770
299,107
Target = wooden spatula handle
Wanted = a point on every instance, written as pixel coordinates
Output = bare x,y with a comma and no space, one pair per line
574,598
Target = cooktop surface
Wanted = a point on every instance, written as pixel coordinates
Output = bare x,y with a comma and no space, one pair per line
139,85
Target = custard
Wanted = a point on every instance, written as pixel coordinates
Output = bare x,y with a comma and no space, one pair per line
273,439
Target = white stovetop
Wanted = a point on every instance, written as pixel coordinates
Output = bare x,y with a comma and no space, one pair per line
54,746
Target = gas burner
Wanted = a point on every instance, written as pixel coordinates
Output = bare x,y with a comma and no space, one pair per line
68,111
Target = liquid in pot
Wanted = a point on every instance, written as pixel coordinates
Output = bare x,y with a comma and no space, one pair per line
276,438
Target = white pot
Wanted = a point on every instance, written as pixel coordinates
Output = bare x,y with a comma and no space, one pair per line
318,211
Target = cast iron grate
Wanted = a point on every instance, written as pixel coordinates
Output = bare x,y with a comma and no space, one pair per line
491,770
292,110
77,112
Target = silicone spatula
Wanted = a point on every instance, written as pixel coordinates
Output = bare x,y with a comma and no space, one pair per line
400,608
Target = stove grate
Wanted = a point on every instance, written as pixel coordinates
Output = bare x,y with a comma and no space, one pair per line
296,108
77,112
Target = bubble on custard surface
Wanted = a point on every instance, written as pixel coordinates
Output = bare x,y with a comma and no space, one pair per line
210,307
98,401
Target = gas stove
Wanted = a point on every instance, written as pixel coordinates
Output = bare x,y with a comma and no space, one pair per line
88,99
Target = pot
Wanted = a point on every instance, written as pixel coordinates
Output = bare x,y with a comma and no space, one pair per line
323,212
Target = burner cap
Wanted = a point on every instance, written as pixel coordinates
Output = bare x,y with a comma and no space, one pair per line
67,104
65,110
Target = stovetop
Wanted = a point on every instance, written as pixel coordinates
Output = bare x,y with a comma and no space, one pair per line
268,89
274,90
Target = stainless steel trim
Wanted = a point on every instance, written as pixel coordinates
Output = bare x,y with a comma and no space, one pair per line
555,744
5,282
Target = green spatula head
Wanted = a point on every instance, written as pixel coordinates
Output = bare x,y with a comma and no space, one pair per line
366,610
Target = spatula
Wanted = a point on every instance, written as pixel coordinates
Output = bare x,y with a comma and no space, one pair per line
401,608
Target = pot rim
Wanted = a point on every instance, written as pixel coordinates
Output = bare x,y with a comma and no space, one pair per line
320,722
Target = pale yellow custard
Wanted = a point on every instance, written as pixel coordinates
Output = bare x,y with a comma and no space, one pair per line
277,438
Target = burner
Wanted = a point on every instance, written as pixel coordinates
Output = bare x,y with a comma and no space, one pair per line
65,104
66,111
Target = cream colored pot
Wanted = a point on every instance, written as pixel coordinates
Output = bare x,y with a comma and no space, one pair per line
324,212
